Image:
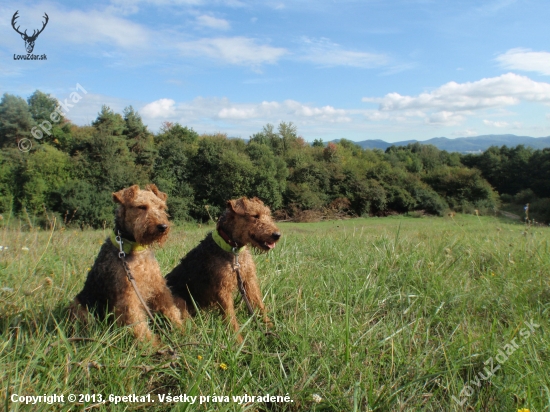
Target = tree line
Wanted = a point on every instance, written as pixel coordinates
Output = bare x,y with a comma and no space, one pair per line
521,175
72,170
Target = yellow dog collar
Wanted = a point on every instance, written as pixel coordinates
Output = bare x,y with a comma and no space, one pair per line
223,244
127,245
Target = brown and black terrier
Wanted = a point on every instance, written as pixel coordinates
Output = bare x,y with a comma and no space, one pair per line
140,221
206,275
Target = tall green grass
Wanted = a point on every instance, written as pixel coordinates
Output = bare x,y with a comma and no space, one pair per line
393,314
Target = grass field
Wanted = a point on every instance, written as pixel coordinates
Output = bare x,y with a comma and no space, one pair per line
392,314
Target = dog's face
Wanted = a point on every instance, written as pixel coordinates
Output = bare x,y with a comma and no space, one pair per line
142,213
251,224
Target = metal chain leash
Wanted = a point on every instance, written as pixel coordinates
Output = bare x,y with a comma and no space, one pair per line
122,257
236,267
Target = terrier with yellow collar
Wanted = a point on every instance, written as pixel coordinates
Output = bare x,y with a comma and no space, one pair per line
125,278
211,273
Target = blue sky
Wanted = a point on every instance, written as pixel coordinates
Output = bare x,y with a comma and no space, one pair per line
370,69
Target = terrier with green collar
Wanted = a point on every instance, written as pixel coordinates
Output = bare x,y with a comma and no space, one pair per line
140,222
211,273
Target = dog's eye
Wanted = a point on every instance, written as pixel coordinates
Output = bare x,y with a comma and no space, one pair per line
142,207
256,216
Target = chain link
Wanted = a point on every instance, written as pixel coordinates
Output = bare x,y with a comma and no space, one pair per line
240,284
118,239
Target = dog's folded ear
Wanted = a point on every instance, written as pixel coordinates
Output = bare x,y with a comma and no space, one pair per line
153,188
238,206
126,195
256,200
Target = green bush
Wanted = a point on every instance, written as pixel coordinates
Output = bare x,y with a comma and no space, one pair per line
428,200
81,204
540,210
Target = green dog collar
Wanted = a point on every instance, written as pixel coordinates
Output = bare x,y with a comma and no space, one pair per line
127,245
223,244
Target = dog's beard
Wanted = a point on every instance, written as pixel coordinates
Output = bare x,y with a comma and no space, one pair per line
151,234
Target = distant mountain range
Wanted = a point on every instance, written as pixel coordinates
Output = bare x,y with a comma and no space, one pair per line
465,144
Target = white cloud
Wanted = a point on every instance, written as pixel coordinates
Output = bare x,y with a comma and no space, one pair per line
502,124
453,103
235,113
326,53
326,113
508,89
376,115
234,50
288,108
100,27
160,108
496,124
445,118
215,109
526,60
213,22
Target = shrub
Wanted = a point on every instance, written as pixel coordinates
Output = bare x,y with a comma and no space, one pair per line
81,204
428,200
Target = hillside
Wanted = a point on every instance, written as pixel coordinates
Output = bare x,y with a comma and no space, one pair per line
465,144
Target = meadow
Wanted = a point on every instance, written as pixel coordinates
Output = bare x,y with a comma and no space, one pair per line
373,314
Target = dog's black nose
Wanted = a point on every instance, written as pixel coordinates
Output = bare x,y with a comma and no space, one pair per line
162,228
276,235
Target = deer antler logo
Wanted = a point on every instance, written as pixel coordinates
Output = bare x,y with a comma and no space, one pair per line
29,40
